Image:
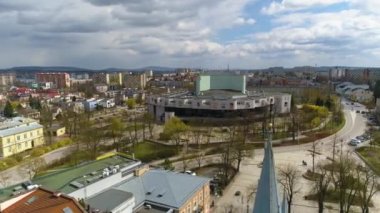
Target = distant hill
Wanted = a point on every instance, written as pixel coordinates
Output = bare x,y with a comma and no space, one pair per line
33,69
78,69
45,69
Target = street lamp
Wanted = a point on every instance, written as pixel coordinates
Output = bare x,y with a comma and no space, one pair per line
85,187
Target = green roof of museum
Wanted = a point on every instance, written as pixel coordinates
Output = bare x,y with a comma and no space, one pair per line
61,180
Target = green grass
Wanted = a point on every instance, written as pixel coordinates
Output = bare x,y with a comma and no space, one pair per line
147,151
372,156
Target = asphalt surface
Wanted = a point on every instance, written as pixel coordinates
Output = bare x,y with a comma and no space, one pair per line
249,174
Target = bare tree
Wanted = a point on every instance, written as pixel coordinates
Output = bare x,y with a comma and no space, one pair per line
116,129
367,189
91,137
313,153
321,186
148,119
35,166
348,183
288,178
240,151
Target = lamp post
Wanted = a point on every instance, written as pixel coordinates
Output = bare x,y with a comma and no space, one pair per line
85,187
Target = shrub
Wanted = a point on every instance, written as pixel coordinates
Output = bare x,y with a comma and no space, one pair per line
37,152
10,161
18,157
47,149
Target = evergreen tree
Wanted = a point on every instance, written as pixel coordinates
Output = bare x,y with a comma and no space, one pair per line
8,110
376,91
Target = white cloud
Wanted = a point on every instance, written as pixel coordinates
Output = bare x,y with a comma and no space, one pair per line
294,5
243,21
105,33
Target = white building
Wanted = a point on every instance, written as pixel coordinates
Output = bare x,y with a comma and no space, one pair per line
216,99
355,92
107,103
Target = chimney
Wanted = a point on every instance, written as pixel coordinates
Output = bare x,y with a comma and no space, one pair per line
141,170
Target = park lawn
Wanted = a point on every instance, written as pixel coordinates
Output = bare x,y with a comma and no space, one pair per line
372,156
148,151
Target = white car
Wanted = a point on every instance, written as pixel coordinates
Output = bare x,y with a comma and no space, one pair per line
354,142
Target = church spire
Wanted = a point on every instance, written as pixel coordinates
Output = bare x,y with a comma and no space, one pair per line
267,199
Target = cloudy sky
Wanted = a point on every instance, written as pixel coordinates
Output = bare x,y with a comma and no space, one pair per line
189,33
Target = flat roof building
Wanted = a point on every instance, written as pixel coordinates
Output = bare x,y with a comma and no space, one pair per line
218,96
120,184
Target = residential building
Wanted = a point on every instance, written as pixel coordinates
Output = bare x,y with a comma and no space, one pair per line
19,134
29,113
79,81
42,201
107,103
60,79
90,104
137,81
57,130
355,92
108,78
337,73
102,88
217,96
7,79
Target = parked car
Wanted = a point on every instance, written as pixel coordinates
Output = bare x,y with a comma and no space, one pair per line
366,136
237,193
360,138
354,142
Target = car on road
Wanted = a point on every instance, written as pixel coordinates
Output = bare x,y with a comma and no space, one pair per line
354,142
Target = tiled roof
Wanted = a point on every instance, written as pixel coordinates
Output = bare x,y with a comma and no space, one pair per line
45,201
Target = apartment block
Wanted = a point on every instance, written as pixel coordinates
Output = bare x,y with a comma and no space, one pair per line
108,78
135,81
7,79
60,80
19,134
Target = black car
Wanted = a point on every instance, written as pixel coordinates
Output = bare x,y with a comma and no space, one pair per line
237,193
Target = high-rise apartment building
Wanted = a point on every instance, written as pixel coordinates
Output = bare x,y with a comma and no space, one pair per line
60,80
135,81
7,79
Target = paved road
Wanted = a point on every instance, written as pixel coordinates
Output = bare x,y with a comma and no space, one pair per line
20,173
249,175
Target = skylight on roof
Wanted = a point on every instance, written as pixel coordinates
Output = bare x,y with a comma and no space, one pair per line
31,200
67,210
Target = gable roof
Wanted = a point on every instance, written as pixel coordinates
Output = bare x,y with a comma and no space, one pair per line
45,201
